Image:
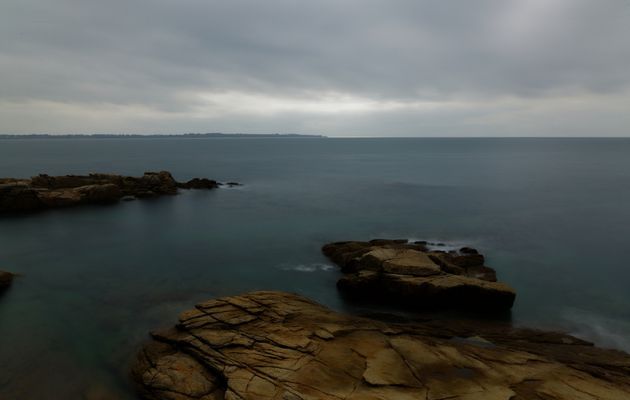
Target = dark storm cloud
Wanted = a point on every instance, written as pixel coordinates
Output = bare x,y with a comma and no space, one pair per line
281,65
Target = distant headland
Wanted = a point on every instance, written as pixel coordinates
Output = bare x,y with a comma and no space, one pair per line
157,136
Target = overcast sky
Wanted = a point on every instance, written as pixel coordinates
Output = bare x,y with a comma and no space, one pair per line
333,67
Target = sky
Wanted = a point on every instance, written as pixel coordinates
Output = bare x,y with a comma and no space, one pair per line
333,67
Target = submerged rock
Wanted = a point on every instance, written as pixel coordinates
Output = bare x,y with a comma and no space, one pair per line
232,184
44,191
410,274
6,278
272,345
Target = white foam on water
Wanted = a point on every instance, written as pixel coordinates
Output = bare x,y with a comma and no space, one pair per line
225,186
432,244
603,331
314,267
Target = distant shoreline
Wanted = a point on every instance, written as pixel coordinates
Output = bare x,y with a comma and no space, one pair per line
156,136
286,136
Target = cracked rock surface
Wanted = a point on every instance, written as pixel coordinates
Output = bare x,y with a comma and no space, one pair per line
274,345
412,275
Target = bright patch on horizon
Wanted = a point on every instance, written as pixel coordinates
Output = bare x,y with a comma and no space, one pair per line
234,102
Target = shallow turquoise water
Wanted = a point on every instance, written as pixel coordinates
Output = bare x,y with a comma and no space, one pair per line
552,216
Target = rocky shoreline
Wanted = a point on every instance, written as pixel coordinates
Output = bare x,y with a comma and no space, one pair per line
281,346
274,345
44,192
417,277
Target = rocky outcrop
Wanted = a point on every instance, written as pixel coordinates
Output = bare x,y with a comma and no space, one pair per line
6,278
197,183
18,196
45,192
272,345
410,274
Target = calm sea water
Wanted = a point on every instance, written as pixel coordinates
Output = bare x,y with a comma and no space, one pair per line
552,216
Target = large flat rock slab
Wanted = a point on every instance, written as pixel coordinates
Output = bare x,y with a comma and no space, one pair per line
273,345
416,277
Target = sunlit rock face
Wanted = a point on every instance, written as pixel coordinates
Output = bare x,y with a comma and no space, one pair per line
395,271
274,345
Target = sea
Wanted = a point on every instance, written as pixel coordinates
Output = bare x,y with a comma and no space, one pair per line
551,215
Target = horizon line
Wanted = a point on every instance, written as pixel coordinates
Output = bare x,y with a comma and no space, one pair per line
217,135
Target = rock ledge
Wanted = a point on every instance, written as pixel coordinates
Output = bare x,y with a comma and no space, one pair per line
272,345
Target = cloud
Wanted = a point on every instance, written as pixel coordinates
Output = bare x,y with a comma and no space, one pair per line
462,68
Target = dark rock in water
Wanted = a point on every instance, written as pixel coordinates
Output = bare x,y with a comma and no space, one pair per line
19,197
383,242
410,275
467,260
273,345
157,182
197,183
6,278
468,250
44,192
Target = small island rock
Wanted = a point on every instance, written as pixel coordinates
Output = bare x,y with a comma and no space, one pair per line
44,192
410,274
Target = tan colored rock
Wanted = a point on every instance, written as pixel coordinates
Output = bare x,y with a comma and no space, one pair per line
482,272
374,259
411,262
444,261
348,254
106,193
59,198
342,253
89,194
403,273
282,346
453,291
